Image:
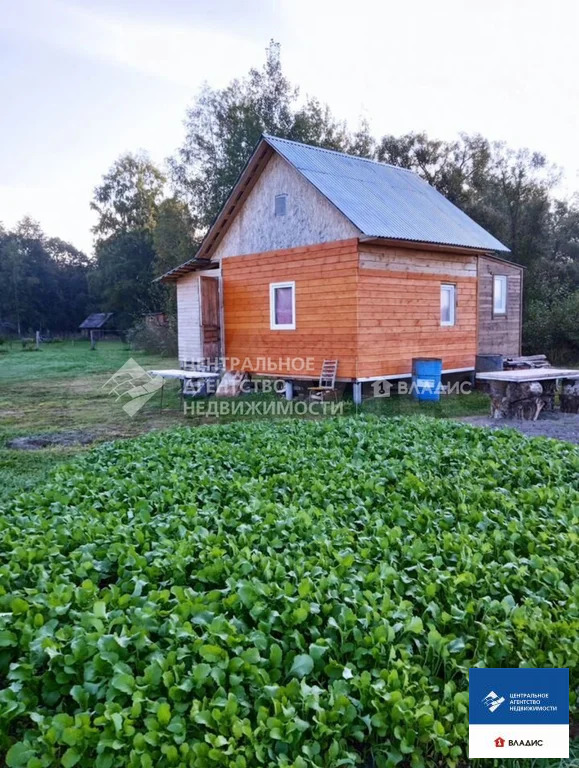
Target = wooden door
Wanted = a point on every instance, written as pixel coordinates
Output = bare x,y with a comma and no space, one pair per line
210,332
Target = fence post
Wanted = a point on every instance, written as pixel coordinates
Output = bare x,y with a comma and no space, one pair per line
92,341
37,340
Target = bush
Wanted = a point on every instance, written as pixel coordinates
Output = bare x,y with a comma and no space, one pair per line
154,339
292,594
551,327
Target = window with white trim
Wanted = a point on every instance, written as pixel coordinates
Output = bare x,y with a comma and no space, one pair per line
447,304
499,294
282,306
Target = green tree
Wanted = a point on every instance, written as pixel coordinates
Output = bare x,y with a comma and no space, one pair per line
128,197
123,279
173,236
458,169
174,242
127,202
43,281
224,125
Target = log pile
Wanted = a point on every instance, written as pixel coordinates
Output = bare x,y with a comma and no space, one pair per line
521,400
526,361
570,396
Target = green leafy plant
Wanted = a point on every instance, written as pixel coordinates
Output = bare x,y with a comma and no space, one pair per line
292,594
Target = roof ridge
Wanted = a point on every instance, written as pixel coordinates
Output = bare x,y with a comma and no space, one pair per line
267,136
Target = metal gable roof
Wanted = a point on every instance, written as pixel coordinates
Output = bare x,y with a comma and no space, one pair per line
384,200
96,320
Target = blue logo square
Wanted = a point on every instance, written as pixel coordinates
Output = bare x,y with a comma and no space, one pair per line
522,696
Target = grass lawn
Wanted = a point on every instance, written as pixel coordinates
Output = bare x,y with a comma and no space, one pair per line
60,388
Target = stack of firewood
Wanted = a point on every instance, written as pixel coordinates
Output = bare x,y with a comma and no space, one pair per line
526,361
570,396
521,400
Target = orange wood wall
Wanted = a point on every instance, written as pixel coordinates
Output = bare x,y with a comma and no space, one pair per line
352,306
399,310
326,278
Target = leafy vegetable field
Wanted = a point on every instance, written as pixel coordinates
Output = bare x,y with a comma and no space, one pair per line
293,594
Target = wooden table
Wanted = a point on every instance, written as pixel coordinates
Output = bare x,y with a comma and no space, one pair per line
184,377
525,393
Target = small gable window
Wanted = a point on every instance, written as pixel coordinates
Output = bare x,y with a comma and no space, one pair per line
447,304
282,306
280,205
499,295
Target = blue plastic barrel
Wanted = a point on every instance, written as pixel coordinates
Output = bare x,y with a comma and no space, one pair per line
426,373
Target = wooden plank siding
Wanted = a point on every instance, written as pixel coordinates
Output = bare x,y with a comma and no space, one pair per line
188,317
373,309
499,334
399,309
326,277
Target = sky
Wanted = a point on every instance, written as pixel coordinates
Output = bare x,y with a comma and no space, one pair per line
82,81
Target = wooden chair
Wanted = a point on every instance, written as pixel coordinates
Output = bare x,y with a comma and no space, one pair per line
327,384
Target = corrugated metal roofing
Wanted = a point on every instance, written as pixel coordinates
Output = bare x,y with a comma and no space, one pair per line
96,320
384,200
183,269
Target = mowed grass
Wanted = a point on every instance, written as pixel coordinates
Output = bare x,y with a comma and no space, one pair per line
60,388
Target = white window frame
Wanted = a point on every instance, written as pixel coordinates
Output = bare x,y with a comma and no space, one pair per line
502,310
281,326
451,288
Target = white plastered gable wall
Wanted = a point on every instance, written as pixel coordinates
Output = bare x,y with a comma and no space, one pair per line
309,219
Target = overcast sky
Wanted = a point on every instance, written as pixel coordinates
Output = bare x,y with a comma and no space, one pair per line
82,81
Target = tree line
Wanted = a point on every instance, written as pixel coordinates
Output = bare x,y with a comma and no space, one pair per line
151,219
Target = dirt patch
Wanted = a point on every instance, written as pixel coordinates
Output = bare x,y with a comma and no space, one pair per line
51,440
88,385
4,413
560,426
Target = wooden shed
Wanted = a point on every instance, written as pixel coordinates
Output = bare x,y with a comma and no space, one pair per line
318,255
97,324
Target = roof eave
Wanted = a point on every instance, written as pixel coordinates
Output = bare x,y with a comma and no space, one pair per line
241,189
193,265
428,245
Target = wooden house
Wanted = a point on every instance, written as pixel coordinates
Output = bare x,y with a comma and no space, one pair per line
318,255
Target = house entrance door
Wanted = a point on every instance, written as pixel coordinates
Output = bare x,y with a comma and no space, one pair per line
210,329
